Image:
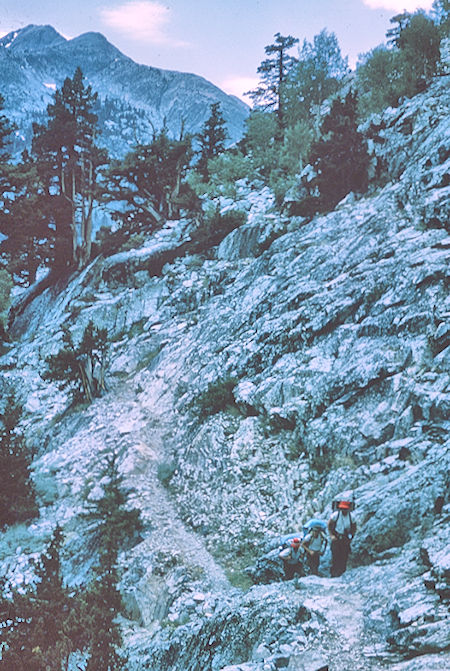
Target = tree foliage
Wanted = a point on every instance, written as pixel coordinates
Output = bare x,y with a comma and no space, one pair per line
68,161
339,157
211,139
41,624
113,527
6,130
17,493
403,68
281,128
314,77
419,43
273,72
80,368
112,524
30,235
6,285
147,186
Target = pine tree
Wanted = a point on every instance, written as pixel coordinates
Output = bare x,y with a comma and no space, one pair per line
30,237
415,40
150,181
113,524
113,527
68,162
101,607
399,23
340,157
273,71
211,139
80,368
377,80
41,624
17,494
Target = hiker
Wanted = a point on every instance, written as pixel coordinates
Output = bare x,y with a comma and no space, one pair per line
314,544
342,529
292,559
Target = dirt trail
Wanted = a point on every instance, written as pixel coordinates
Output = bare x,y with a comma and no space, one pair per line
337,602
349,608
141,425
144,436
347,644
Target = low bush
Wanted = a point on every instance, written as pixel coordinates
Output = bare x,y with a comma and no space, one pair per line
215,398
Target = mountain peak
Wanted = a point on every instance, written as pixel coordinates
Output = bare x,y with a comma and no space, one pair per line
32,38
37,59
93,41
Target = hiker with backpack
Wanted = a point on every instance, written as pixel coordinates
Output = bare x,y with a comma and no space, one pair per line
292,557
341,528
315,544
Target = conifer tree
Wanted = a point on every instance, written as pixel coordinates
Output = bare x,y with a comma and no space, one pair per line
150,182
6,182
415,39
6,130
399,23
113,524
273,72
377,80
68,161
17,494
113,527
80,368
41,624
30,236
419,44
101,607
211,139
340,156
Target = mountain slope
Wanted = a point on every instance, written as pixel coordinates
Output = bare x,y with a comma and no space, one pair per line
329,342
134,98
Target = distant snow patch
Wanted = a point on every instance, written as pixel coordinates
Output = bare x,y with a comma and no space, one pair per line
12,40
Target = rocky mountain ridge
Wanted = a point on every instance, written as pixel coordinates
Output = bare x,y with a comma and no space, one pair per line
134,100
328,343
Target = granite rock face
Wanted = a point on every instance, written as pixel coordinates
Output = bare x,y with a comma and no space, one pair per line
246,391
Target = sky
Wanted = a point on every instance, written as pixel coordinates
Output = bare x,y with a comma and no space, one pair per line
221,40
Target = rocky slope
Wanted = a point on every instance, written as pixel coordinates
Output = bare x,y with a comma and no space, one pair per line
134,100
248,388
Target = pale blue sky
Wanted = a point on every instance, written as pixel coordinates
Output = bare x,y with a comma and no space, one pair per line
221,40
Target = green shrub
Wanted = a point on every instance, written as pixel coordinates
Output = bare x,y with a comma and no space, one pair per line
122,239
225,170
215,398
